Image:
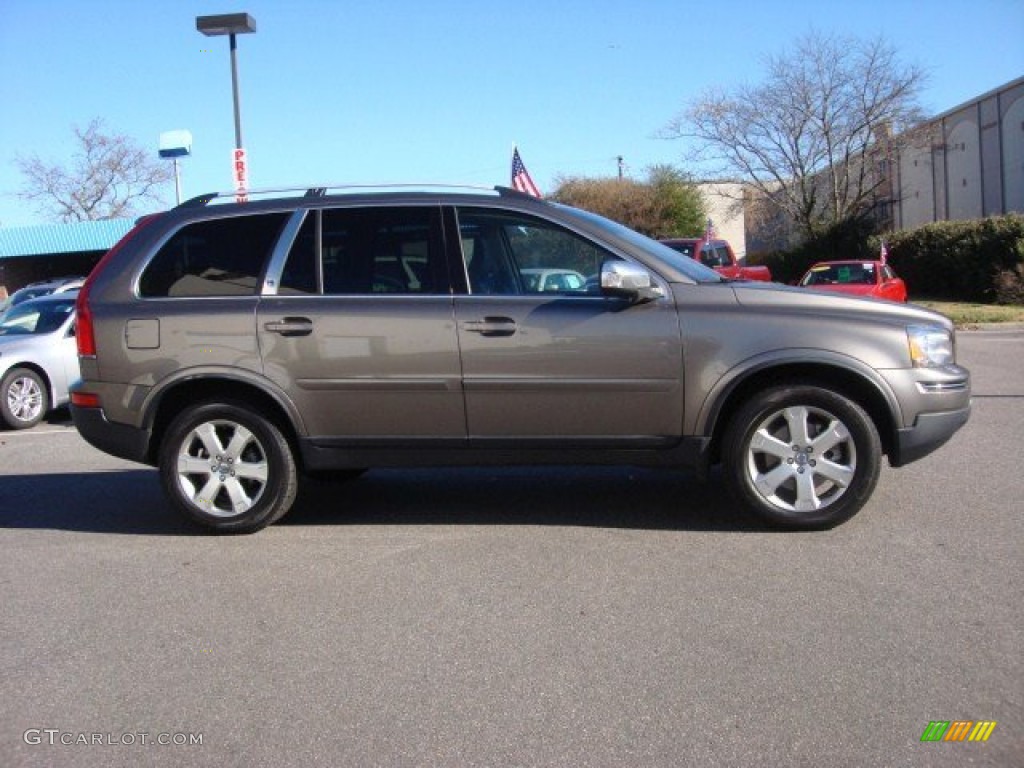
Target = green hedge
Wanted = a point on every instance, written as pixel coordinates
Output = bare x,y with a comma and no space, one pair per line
959,260
979,260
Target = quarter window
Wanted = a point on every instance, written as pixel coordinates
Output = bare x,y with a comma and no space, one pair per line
218,257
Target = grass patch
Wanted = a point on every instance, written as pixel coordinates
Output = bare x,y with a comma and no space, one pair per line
965,314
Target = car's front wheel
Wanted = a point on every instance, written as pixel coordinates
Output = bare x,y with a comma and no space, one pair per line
802,456
24,398
228,468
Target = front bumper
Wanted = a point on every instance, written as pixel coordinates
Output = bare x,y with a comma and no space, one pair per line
933,404
929,432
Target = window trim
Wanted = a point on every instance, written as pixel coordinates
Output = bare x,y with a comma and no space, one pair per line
275,266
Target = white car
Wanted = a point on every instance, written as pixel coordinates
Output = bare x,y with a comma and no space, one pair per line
539,280
38,358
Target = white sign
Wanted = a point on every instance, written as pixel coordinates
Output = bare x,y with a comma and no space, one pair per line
175,144
240,171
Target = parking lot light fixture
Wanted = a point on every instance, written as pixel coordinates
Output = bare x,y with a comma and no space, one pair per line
230,24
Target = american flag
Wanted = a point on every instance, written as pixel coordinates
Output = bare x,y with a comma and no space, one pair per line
520,176
709,232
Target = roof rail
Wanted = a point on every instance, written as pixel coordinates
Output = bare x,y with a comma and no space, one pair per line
511,192
322,191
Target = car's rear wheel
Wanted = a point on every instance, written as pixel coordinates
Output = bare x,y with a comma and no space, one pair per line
228,468
24,398
802,456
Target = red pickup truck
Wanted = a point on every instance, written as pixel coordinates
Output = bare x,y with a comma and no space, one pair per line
718,255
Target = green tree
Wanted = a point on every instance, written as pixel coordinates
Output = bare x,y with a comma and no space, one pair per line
666,204
679,202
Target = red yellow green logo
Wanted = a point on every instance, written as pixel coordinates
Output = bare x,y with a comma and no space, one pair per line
958,730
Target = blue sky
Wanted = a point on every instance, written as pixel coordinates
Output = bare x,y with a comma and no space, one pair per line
358,91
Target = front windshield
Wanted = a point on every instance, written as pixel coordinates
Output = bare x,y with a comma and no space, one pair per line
25,294
677,261
34,318
840,274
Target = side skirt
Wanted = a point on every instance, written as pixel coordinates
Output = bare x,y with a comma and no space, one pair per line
329,453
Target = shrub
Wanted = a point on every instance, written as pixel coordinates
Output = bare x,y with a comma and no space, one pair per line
958,260
1009,285
974,261
667,204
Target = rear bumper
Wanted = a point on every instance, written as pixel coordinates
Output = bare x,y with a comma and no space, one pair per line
930,431
121,440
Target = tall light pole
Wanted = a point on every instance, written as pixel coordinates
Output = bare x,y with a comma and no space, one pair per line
232,24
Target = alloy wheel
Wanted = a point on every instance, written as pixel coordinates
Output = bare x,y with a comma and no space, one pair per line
801,458
222,468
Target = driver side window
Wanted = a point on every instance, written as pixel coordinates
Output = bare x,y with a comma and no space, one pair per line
508,254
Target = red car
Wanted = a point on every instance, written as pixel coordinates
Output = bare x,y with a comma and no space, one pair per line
718,255
858,278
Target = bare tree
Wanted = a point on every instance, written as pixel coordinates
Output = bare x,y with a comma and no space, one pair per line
108,175
813,139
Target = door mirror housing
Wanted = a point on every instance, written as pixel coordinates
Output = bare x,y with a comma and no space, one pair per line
628,281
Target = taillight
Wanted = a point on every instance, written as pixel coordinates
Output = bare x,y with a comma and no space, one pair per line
84,335
85,400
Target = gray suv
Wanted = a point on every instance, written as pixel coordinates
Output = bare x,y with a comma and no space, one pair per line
240,346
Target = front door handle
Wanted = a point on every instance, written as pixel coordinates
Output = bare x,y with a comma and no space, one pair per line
491,326
291,326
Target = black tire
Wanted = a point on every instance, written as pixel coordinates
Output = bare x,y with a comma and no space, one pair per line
802,457
239,458
24,398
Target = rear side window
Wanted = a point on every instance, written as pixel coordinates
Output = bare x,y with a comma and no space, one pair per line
367,251
714,256
684,248
219,257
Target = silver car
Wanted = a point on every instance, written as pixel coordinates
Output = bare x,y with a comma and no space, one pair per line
240,346
41,288
38,358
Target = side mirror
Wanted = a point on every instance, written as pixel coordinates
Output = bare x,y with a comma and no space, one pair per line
628,281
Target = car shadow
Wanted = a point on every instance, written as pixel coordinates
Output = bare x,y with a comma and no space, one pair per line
132,502
597,497
119,501
61,416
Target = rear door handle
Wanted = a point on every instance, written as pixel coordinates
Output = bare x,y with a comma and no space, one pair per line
291,326
491,326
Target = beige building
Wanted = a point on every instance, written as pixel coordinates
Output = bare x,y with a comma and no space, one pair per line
966,163
725,207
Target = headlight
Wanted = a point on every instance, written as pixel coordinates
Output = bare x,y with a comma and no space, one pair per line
931,346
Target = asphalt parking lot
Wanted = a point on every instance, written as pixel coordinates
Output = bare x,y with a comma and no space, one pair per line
567,617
